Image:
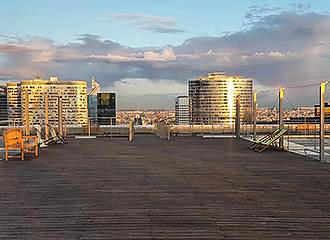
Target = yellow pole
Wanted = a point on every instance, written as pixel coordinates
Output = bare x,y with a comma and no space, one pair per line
46,116
60,117
131,130
322,94
281,111
27,120
238,117
254,116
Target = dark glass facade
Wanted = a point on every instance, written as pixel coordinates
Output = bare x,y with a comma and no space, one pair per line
92,106
106,108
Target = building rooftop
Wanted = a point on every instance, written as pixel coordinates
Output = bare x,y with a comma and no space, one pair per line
156,189
220,76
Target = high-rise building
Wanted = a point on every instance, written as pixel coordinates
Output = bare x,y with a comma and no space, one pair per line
14,103
72,93
106,108
92,99
182,110
3,106
213,98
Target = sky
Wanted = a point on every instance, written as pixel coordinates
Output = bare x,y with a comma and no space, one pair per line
147,50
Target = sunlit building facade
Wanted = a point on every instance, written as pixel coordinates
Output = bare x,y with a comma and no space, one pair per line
72,93
3,106
212,98
14,103
182,110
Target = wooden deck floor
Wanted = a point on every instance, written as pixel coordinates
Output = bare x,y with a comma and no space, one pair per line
154,189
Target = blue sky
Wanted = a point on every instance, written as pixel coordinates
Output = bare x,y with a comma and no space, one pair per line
63,20
147,50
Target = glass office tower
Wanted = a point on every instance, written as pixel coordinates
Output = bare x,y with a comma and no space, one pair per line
212,98
182,110
106,108
92,99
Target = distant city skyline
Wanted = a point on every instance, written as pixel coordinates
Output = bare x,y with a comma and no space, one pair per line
147,51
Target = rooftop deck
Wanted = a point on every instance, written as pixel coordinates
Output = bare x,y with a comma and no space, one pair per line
154,189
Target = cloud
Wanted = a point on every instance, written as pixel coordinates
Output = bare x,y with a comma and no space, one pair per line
286,48
156,24
167,55
256,12
5,77
141,87
300,7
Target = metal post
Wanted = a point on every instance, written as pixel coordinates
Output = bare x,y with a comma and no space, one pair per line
111,129
322,93
131,131
89,127
168,132
305,125
238,117
190,126
27,117
212,130
46,116
288,136
315,135
280,115
254,116
60,116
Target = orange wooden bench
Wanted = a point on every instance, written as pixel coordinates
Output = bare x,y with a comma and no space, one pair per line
14,140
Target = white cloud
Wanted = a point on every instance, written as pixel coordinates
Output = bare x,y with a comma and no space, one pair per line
142,86
167,55
156,24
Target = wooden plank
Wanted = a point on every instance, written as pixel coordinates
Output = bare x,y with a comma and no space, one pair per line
154,189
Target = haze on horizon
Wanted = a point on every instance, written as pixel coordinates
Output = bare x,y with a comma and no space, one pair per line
147,50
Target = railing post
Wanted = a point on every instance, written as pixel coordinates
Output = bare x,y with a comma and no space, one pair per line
131,131
288,136
280,116
89,127
238,117
212,130
202,129
60,116
111,129
46,115
190,126
322,94
27,117
168,132
254,116
315,148
305,127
